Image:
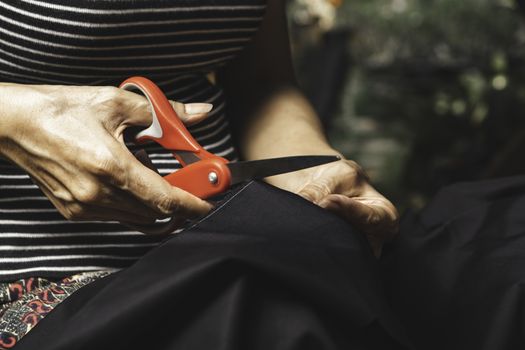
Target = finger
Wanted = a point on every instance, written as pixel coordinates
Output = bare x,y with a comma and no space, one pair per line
316,191
372,215
192,113
87,212
59,205
109,200
138,114
138,110
156,193
374,221
123,200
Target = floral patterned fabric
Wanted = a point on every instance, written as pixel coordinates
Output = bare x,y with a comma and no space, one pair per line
27,301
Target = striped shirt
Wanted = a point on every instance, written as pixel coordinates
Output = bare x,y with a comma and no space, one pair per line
175,43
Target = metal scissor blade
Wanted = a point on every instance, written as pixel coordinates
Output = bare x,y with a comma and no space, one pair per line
258,169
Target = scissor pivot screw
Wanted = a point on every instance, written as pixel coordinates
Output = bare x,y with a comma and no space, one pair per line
213,178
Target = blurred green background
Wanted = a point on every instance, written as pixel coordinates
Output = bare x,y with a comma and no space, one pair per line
422,93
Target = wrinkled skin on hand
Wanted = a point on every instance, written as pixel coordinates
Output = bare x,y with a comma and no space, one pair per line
70,140
343,188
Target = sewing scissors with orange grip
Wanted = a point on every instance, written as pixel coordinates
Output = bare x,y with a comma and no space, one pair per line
204,174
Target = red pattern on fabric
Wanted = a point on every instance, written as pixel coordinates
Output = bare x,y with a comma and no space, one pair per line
26,302
7,341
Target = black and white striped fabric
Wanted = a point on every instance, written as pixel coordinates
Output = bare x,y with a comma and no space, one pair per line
175,43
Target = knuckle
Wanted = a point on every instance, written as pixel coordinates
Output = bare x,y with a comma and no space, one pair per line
101,167
62,195
374,219
308,194
110,93
179,108
319,188
314,192
75,212
120,180
353,167
88,193
356,170
105,165
167,205
176,105
110,98
106,94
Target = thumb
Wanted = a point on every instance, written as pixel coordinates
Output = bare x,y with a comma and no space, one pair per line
192,113
370,214
155,192
375,216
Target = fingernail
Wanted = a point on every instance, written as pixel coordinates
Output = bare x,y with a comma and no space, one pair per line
198,108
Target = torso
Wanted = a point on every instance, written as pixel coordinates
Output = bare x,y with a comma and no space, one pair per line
176,43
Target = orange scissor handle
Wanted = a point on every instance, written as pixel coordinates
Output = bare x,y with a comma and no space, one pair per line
204,178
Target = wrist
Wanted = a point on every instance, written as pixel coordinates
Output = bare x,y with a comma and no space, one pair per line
295,181
20,104
7,117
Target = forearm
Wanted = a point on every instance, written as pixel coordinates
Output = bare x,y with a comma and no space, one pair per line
281,124
16,101
271,118
7,96
268,113
284,124
21,106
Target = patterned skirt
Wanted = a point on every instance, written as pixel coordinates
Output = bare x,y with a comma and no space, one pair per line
27,301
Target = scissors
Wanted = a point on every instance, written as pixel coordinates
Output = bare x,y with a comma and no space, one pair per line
204,174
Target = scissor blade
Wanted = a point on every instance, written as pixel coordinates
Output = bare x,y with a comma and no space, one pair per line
258,169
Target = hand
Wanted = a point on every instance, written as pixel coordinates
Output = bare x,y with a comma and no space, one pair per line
70,140
343,188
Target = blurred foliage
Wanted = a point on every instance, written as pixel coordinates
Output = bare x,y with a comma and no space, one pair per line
434,91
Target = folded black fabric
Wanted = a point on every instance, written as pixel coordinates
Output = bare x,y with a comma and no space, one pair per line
265,270
456,275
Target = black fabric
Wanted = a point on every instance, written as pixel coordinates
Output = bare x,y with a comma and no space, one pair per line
266,270
456,275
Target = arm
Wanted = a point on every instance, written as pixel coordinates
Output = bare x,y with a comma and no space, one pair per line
272,118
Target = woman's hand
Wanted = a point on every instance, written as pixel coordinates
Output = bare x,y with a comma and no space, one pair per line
70,140
343,188
272,118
